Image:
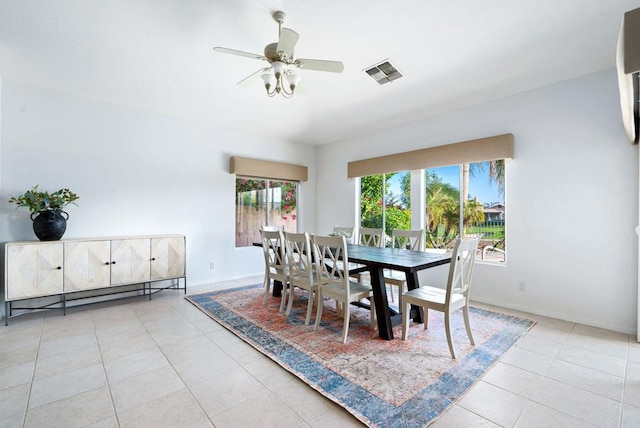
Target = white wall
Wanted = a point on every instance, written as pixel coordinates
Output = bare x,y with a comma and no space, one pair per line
572,197
136,172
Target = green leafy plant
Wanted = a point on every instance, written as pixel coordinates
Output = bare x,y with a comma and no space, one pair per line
37,201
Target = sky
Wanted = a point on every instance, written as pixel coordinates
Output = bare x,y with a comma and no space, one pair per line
479,184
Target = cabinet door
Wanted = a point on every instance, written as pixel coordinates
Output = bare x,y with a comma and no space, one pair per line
167,257
33,270
87,265
130,259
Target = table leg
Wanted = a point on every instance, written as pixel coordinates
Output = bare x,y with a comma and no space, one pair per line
277,289
412,283
385,328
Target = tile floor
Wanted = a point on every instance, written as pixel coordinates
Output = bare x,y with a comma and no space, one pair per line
162,363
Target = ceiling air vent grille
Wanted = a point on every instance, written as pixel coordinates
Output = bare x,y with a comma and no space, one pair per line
384,72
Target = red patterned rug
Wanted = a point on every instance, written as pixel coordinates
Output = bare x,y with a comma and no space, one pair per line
381,382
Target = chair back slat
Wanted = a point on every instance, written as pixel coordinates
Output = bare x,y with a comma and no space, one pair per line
330,256
408,239
298,251
372,237
461,270
274,250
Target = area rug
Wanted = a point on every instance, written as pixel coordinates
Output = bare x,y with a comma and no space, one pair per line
383,383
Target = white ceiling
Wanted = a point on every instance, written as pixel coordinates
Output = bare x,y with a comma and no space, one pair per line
157,55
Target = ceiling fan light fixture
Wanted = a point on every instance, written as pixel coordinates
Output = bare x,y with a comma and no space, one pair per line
278,68
292,79
269,80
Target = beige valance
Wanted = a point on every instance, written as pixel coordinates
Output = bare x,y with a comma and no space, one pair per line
267,169
480,150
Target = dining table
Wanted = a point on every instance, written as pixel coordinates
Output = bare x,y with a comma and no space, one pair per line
376,260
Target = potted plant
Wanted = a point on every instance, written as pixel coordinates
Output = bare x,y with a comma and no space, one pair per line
50,221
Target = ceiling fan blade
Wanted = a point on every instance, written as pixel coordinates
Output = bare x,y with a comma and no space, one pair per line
252,77
320,65
287,42
239,53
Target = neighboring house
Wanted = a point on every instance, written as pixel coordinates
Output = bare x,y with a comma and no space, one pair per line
494,213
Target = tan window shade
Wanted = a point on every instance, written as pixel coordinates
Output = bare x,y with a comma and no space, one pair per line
267,169
480,150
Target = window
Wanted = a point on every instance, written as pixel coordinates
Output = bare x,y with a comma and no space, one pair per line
479,188
261,202
391,212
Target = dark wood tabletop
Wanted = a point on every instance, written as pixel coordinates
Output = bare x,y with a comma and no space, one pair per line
377,259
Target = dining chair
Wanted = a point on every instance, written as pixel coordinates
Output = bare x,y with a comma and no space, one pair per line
407,239
347,231
273,228
302,273
368,236
334,282
275,263
454,297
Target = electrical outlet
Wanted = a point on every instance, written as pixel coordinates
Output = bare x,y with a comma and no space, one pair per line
522,286
211,265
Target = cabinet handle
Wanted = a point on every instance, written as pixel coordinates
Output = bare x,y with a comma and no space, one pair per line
59,268
113,263
153,258
107,263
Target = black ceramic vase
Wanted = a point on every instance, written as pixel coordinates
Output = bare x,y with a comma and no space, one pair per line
50,225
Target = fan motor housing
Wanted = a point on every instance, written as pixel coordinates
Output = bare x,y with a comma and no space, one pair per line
271,54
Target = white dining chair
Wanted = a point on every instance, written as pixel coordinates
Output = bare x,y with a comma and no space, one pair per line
275,263
302,273
334,282
454,297
346,231
410,240
368,236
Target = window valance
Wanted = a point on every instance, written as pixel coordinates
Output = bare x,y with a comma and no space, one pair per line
480,150
267,169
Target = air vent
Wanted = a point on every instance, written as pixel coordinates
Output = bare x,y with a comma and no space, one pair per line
383,72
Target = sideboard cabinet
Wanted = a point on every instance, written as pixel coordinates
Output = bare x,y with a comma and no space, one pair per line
48,268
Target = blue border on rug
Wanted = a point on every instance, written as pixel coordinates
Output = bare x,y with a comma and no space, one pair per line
417,411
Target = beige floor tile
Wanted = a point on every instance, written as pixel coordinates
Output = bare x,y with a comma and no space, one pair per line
75,411
536,415
630,416
632,385
588,379
513,379
540,345
178,409
111,422
459,417
528,360
66,344
17,355
135,364
336,417
16,375
223,338
302,399
608,343
243,353
205,366
207,325
262,410
269,372
593,360
13,401
189,347
174,332
585,405
12,421
495,404
67,362
550,332
225,391
134,391
114,349
65,385
634,352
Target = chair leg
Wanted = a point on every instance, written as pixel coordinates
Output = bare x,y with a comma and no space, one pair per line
345,328
405,321
309,307
425,317
290,291
465,313
372,309
447,327
318,311
267,287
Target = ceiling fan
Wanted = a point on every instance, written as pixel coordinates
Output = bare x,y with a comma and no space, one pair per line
282,75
